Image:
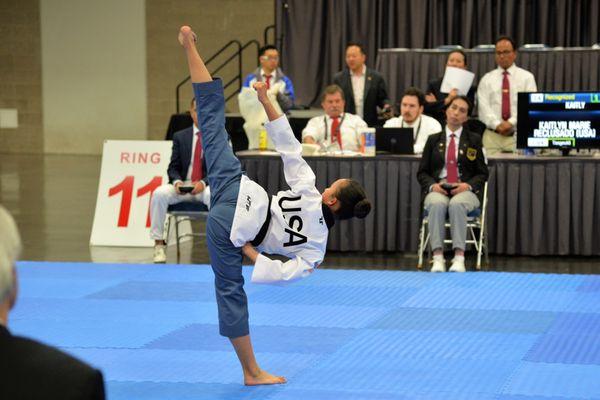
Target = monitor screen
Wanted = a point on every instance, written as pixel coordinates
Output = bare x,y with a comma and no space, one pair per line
394,140
560,120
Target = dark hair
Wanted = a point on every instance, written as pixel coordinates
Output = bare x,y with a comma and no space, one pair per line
460,52
353,201
263,50
466,100
359,45
505,37
413,91
332,89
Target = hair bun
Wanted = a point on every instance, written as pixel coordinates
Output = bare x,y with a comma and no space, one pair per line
362,208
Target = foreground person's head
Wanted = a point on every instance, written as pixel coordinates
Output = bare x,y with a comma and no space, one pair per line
10,248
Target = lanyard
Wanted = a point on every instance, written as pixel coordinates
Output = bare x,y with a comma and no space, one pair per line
418,129
339,126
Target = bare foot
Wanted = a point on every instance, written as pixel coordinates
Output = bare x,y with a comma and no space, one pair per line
263,378
186,36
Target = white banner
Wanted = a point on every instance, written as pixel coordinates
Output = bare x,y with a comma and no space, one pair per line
131,171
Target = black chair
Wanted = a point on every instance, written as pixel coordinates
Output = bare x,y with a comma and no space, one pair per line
185,211
178,122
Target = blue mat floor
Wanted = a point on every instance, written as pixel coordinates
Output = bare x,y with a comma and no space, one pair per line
339,334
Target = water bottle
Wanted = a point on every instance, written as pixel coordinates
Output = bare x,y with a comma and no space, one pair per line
368,142
262,138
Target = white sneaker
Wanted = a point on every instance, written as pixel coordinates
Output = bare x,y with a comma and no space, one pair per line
458,264
160,254
439,264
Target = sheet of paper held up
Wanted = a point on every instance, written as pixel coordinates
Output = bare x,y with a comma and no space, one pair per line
457,78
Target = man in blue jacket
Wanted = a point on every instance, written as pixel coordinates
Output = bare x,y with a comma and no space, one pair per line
270,73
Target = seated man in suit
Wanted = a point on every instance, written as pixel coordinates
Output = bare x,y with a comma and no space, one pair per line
183,175
364,88
29,369
336,130
411,116
452,172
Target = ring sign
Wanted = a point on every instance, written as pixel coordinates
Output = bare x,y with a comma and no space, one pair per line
131,171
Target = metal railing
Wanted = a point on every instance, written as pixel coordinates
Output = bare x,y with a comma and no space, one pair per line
238,52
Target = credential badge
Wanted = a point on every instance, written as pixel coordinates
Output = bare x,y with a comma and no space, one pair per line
471,153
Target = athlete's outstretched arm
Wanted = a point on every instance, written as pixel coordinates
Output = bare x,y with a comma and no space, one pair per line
261,90
198,70
297,172
267,270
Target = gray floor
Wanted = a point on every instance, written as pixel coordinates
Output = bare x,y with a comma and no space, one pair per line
53,199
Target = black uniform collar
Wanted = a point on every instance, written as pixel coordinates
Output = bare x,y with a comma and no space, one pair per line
329,218
4,331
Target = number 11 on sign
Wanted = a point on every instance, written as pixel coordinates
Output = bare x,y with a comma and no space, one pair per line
126,187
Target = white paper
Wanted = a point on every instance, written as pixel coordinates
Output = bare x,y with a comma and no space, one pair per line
457,78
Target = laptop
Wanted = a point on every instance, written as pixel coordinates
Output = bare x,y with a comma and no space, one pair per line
394,140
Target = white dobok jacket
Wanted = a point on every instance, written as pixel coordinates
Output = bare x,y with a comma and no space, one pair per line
298,226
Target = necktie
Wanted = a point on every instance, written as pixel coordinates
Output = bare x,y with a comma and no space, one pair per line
451,166
268,81
505,96
197,165
335,131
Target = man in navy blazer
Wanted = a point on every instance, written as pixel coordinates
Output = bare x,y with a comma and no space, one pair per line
186,182
452,174
29,369
364,88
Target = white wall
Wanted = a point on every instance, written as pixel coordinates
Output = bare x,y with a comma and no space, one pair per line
93,73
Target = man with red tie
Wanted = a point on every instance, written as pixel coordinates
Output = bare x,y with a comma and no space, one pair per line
452,173
186,182
279,86
336,130
270,73
497,98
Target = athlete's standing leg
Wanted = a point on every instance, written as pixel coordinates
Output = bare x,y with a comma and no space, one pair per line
223,177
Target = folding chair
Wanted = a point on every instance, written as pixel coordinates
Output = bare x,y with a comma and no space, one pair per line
475,221
185,211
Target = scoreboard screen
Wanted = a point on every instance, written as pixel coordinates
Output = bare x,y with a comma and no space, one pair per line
559,120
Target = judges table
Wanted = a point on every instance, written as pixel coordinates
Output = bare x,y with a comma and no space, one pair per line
234,123
536,205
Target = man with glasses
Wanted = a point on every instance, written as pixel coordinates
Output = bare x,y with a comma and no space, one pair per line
270,73
280,90
497,98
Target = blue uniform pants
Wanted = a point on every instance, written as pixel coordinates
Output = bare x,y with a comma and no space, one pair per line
224,174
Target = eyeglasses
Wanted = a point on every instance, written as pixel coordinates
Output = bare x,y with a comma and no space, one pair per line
269,58
504,53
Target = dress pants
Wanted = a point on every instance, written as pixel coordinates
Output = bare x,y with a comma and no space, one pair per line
457,208
162,198
494,143
224,174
